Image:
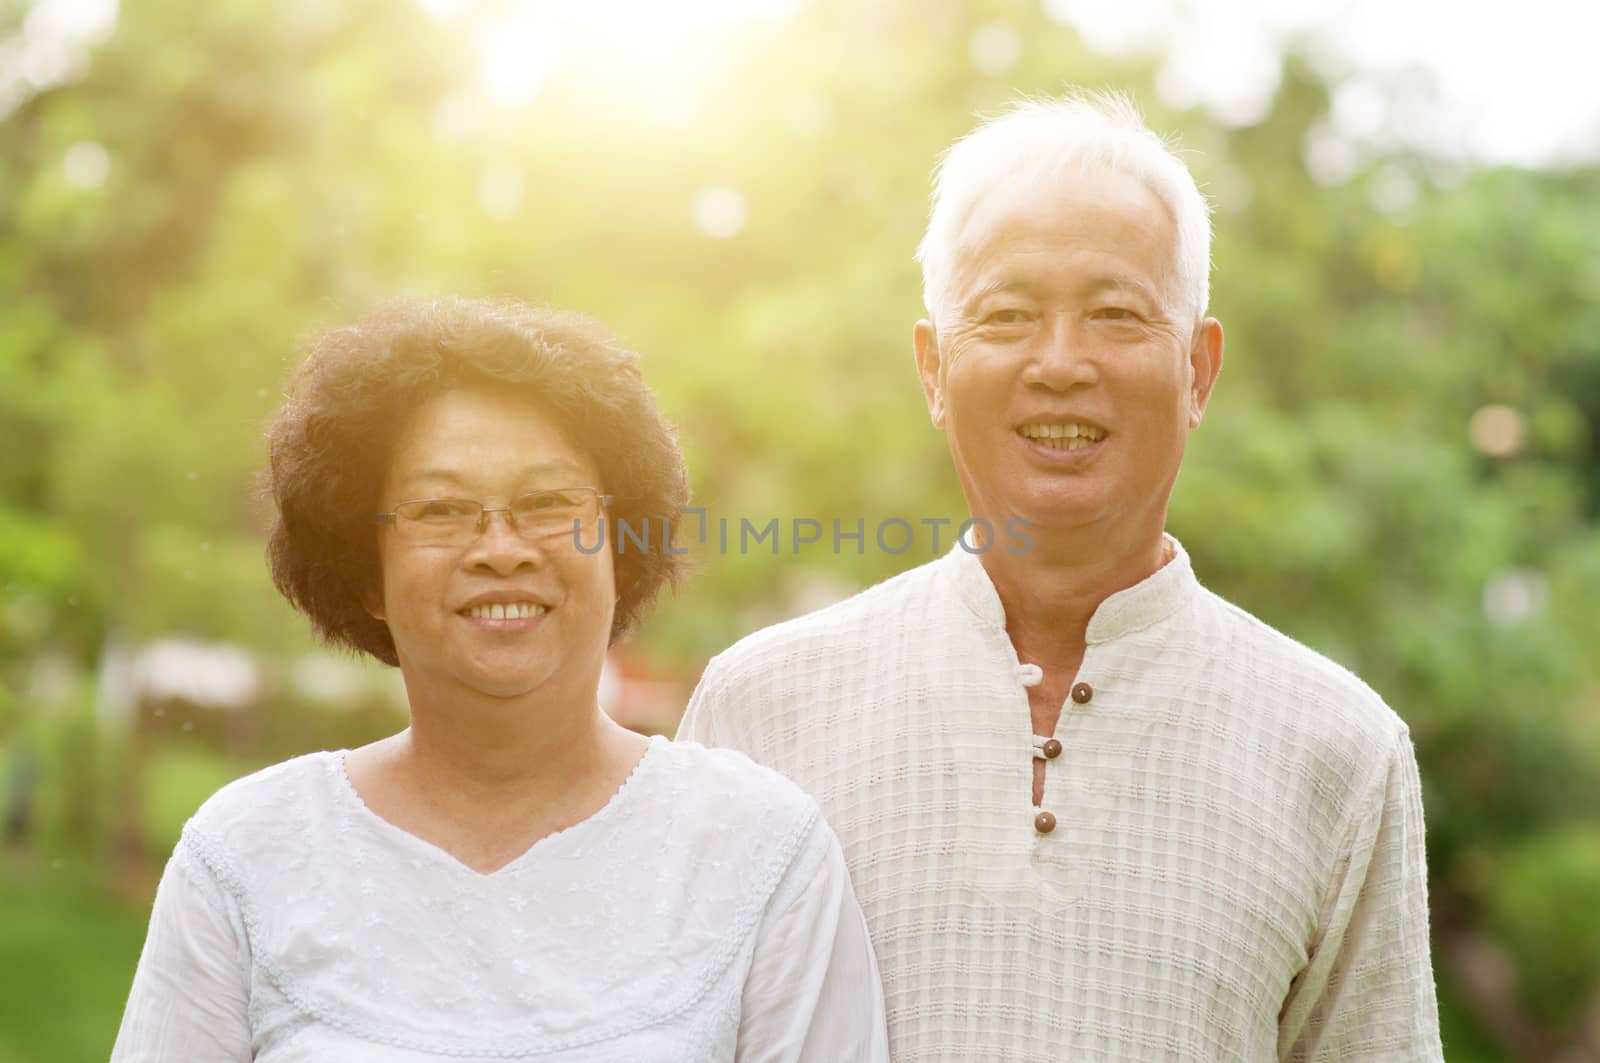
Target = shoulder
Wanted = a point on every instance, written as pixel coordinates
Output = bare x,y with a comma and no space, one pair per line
271,811
262,793
724,832
833,633
1323,703
730,787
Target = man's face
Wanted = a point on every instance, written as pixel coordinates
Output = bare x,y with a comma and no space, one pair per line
1067,366
479,445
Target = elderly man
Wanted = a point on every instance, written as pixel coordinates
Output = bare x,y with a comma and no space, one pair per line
1092,811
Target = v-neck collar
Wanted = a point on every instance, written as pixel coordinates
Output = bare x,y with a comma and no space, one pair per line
617,805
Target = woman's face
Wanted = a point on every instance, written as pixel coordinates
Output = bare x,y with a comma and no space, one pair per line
557,600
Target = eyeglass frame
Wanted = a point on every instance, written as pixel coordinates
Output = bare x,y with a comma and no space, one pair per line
392,517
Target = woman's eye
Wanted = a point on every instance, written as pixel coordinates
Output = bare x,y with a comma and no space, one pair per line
543,503
439,509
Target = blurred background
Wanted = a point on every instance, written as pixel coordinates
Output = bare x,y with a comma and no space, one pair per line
1400,467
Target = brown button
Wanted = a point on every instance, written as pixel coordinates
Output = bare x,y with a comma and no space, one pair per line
1044,822
1082,692
1052,748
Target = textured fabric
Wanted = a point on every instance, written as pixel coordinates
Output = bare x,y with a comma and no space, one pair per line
702,914
1237,868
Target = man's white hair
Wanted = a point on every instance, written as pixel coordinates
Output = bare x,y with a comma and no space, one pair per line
1041,141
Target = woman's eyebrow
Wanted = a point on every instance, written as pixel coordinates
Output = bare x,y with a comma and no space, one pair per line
457,478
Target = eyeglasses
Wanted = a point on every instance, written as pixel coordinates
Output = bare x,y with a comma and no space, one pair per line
539,516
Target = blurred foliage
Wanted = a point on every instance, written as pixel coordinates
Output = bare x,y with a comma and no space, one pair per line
180,778
276,167
62,936
1544,905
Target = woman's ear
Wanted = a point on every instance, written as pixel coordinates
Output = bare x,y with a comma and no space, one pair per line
372,602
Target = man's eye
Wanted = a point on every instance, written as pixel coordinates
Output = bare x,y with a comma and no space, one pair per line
1006,317
1115,313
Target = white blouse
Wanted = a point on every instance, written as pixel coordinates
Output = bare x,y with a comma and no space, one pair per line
703,914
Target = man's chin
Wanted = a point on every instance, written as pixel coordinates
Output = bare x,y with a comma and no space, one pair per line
1060,511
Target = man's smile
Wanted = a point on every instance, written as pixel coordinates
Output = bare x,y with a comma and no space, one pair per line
1071,435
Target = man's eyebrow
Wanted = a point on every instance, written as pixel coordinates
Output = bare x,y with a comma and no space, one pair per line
1095,285
1117,282
998,286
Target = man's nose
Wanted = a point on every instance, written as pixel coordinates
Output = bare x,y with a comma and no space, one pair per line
1062,358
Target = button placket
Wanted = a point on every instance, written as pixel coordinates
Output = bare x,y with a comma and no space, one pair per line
1045,748
1048,748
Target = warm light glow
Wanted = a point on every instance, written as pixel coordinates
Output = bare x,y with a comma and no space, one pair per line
720,211
996,47
656,54
1490,79
86,165
500,192
516,54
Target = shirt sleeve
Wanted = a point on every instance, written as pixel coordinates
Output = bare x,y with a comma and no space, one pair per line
1366,992
812,994
704,703
190,996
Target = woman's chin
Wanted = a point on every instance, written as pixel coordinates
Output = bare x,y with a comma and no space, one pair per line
507,684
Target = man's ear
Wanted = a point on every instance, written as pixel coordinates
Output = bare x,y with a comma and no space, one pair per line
1205,362
925,341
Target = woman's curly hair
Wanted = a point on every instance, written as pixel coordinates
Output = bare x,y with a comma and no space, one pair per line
331,442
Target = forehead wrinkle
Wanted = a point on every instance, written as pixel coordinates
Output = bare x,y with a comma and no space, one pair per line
1005,224
998,286
1117,282
1032,285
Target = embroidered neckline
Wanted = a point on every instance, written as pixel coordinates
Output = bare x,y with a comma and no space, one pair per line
616,805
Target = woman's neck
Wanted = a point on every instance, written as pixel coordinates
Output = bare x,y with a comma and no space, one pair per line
486,789
513,752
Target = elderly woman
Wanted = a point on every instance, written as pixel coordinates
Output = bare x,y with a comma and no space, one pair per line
514,876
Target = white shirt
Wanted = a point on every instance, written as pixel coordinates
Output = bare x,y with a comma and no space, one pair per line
1236,867
703,914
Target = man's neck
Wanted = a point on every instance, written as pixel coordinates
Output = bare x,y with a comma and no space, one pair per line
1051,593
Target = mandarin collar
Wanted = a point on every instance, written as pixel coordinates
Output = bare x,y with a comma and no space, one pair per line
1132,609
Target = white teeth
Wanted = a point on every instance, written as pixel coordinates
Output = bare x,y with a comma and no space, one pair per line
504,611
1063,436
